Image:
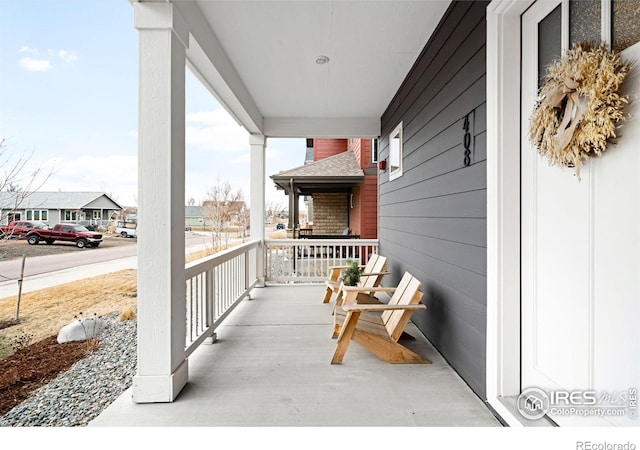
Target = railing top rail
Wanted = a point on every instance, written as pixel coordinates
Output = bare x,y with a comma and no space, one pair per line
305,241
196,267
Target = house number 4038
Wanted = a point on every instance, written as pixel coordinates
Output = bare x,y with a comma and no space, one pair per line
467,139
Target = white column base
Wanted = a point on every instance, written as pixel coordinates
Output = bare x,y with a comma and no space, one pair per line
160,388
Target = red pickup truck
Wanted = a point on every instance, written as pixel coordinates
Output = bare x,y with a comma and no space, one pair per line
19,228
69,232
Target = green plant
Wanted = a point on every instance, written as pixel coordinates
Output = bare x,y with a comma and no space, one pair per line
351,274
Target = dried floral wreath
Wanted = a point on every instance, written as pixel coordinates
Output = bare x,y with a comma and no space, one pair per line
580,105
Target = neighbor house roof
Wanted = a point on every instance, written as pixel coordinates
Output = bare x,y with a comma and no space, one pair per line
193,211
56,200
339,171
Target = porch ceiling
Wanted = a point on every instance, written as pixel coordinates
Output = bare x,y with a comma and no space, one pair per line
259,60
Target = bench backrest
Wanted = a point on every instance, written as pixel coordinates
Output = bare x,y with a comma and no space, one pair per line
407,293
376,264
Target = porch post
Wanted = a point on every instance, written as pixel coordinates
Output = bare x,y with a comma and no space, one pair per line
256,200
293,207
162,367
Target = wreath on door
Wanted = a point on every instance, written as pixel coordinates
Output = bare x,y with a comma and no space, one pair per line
580,106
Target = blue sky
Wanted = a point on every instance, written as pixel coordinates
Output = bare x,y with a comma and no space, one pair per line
68,98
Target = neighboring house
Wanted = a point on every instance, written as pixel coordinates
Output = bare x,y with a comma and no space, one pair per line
339,186
193,216
530,275
201,216
95,208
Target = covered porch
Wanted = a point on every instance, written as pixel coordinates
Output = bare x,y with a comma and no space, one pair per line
298,96
270,366
434,81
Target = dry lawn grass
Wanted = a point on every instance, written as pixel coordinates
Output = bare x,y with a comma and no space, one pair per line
44,312
280,234
199,255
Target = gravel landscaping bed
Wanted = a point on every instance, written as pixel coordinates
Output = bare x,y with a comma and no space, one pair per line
80,394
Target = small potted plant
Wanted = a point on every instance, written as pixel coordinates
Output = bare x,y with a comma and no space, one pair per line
351,274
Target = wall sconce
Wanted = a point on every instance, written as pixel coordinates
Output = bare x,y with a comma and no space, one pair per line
382,165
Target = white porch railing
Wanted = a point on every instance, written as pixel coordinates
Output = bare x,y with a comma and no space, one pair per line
214,286
308,260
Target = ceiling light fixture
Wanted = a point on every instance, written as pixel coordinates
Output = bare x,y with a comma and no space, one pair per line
322,59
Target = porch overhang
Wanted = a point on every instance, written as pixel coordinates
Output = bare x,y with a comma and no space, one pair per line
258,59
312,185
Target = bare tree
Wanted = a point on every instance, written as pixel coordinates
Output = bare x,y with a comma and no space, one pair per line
15,187
222,205
272,210
15,184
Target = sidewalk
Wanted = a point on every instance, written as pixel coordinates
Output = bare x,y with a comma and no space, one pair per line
46,280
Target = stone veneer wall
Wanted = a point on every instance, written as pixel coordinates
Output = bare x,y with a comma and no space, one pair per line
330,213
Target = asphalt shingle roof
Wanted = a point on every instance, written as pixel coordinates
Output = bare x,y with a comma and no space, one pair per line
52,200
341,165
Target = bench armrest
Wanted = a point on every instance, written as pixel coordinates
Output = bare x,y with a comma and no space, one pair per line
368,289
383,307
344,267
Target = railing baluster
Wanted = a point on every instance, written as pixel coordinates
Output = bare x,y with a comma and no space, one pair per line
308,260
213,287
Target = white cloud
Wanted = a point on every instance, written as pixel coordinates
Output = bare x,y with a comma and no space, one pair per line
35,65
67,56
215,131
113,174
27,49
41,61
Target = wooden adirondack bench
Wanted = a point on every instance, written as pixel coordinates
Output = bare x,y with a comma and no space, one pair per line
378,327
371,276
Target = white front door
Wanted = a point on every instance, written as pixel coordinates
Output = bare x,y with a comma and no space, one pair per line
580,254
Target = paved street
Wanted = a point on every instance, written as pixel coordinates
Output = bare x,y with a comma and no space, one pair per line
45,271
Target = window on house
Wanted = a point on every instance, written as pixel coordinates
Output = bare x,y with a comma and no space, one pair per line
37,214
374,150
97,215
625,16
395,153
71,216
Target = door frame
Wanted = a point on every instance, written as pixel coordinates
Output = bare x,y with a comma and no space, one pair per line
503,207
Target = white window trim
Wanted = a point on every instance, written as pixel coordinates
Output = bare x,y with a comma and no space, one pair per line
397,132
40,213
73,216
375,155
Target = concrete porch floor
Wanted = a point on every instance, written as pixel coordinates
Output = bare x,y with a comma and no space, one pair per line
271,367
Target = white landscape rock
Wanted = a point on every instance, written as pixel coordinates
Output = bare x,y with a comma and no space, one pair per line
81,330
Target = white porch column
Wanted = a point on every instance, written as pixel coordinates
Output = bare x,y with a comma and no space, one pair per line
257,199
162,367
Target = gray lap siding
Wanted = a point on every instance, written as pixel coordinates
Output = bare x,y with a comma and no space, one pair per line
433,218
